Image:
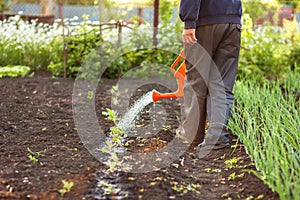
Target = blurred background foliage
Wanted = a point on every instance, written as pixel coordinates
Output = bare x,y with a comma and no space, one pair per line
267,52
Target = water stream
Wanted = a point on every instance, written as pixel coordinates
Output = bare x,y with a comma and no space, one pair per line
127,121
109,184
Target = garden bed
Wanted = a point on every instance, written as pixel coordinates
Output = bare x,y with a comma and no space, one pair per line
36,117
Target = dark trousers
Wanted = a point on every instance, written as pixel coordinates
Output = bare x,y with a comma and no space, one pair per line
210,76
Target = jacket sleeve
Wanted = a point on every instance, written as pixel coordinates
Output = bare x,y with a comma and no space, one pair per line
188,12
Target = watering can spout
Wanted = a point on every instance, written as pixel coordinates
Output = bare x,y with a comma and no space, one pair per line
179,74
155,96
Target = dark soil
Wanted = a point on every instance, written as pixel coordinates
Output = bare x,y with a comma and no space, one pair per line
36,113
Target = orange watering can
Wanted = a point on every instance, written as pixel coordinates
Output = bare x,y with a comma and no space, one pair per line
179,74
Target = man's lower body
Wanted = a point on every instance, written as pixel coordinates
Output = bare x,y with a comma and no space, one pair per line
211,67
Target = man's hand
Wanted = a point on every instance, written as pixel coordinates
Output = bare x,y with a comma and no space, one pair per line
189,37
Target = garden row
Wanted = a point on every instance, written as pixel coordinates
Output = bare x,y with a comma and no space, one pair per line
266,119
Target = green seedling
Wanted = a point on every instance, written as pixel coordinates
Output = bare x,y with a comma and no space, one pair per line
222,157
255,198
33,155
231,163
36,153
108,188
110,115
67,185
209,170
165,127
117,136
233,176
90,95
175,165
180,189
216,170
33,159
111,189
184,188
113,161
225,195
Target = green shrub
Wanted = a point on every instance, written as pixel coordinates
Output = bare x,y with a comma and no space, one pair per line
264,52
78,45
29,44
294,56
14,71
267,52
3,6
141,57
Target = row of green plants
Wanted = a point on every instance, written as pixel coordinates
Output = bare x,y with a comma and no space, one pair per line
266,119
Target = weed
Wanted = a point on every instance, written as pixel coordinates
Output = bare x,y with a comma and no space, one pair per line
108,188
233,176
67,185
175,165
209,170
90,95
231,163
184,188
222,157
33,159
255,198
33,155
117,135
110,115
165,127
225,195
115,140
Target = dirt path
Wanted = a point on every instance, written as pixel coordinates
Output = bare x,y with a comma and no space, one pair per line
36,113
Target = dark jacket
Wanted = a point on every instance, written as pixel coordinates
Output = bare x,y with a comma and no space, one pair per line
206,12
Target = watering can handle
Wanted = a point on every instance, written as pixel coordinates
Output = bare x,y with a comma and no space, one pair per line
179,74
178,59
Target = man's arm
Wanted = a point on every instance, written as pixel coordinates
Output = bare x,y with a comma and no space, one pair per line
188,13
